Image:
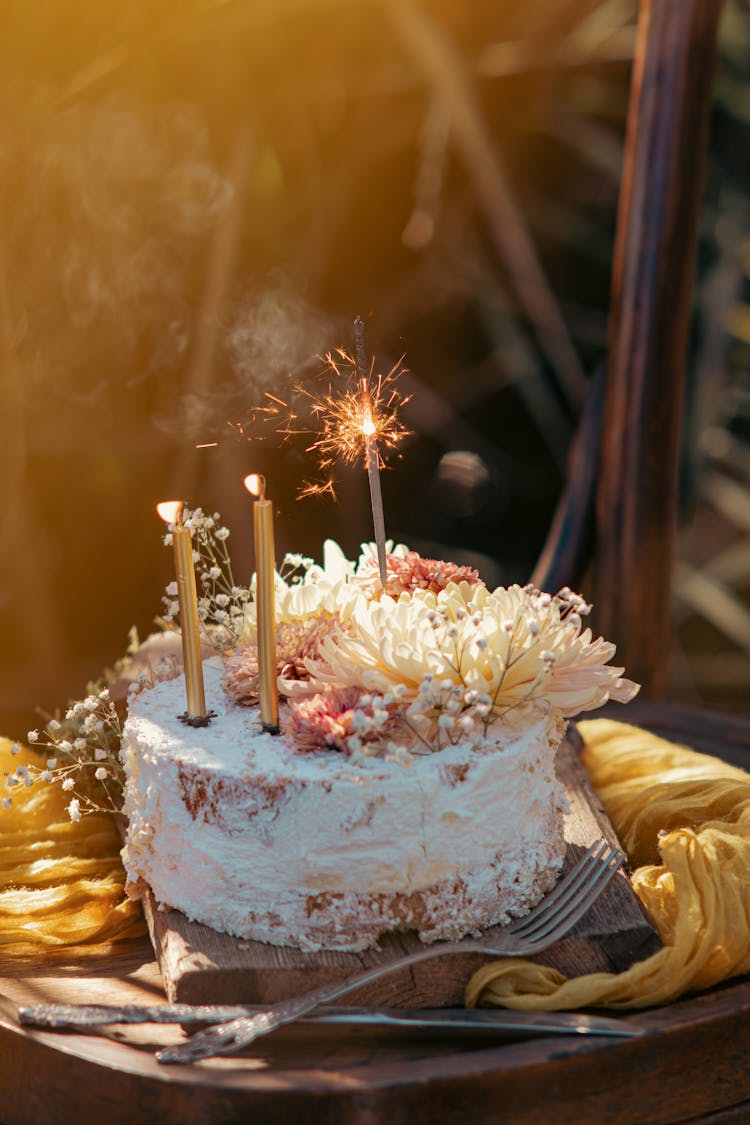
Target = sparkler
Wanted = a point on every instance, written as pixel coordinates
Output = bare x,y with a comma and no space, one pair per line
354,420
369,431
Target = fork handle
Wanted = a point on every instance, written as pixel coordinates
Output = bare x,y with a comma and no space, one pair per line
224,1038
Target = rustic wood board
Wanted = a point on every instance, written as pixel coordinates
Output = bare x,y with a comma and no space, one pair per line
199,965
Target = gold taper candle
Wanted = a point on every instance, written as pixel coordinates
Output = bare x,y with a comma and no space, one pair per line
265,567
182,541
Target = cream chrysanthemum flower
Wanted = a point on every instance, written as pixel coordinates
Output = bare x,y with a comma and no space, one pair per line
321,591
517,647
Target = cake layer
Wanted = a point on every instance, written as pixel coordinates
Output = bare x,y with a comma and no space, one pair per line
239,830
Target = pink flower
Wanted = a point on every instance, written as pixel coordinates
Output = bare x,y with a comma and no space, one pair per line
296,641
322,721
341,719
411,572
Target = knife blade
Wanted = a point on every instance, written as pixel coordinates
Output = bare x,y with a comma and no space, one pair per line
88,1018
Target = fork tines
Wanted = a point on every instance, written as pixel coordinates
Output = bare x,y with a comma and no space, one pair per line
572,896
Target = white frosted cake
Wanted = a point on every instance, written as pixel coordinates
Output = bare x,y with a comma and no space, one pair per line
412,786
249,836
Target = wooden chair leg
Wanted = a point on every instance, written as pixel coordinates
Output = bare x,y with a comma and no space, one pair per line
652,281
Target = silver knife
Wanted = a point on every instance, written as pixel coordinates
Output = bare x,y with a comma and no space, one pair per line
89,1018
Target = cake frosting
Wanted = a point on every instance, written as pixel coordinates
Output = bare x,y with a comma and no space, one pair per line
412,785
240,831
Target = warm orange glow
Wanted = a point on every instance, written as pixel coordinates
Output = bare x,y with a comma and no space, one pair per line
170,510
368,425
255,485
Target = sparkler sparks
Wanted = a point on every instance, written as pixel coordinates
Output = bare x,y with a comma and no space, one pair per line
345,423
338,419
353,420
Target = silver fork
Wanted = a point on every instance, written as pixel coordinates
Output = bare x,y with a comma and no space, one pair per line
555,915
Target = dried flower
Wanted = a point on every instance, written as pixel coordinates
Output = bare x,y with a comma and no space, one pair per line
90,733
340,720
216,582
409,572
297,641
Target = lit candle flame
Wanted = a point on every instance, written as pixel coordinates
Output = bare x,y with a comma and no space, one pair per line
255,485
171,511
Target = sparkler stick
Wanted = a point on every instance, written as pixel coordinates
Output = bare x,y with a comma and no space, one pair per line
371,452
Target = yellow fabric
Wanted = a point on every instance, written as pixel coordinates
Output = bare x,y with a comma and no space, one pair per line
61,883
684,820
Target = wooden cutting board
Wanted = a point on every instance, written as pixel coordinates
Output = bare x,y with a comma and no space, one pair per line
201,966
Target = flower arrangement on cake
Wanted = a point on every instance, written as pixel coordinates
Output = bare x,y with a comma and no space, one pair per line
365,745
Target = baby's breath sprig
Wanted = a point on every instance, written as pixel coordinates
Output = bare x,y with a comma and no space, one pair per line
222,604
445,713
82,757
294,567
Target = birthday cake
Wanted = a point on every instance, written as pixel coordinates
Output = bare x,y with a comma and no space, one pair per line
412,785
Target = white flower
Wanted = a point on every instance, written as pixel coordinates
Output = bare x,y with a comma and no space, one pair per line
46,775
53,725
51,763
171,590
100,774
214,572
390,642
74,810
68,784
222,533
32,736
99,754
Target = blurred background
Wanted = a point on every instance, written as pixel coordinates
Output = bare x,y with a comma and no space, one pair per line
197,197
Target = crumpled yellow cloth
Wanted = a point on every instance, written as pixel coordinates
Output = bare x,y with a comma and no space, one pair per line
684,820
61,883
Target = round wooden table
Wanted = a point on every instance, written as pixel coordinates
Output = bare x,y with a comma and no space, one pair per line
690,1066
